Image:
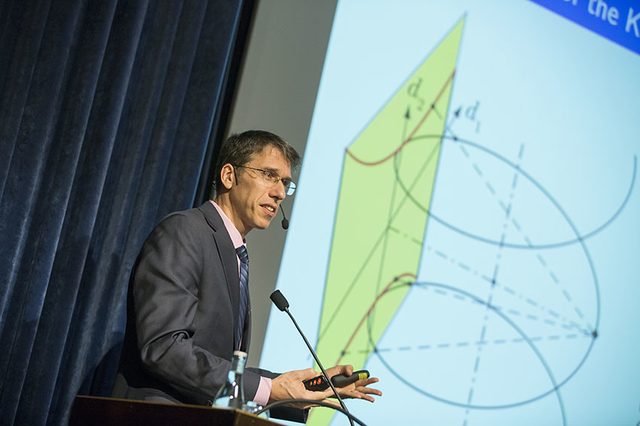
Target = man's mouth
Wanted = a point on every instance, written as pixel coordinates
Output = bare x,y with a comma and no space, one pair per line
269,208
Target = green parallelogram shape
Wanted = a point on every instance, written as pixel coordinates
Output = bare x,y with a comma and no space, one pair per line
387,181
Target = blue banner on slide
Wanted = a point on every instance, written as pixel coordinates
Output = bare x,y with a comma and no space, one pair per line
617,20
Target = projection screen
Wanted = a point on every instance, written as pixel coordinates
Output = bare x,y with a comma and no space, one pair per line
466,222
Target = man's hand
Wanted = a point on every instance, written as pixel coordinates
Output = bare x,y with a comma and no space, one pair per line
358,389
289,386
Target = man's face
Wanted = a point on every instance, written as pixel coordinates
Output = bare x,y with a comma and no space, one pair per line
253,200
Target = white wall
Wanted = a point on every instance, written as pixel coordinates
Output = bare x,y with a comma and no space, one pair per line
277,92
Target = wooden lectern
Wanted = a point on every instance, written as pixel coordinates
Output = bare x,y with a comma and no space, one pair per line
89,410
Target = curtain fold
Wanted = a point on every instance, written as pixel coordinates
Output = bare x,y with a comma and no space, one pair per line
106,112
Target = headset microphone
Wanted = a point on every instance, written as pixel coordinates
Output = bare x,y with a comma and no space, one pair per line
285,222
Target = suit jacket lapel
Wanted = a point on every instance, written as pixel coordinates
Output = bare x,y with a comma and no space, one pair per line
228,258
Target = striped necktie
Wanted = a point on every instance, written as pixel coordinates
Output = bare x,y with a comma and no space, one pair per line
244,290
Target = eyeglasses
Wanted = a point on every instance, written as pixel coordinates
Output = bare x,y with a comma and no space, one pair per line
271,179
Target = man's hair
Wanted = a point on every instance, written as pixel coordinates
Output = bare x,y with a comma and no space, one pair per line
239,149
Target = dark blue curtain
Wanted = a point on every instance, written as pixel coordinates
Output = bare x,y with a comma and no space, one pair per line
109,112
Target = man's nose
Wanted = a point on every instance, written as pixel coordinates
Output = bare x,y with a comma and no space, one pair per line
279,191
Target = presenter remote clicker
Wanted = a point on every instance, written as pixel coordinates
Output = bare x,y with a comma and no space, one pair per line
339,380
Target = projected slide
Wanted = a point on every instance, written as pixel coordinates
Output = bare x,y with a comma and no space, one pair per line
375,253
466,225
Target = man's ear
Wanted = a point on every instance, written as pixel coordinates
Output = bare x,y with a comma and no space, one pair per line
228,176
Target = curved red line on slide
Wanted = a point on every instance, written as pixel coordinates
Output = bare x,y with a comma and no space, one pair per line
394,153
406,274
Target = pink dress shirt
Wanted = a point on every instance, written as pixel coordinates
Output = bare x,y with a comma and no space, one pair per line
264,388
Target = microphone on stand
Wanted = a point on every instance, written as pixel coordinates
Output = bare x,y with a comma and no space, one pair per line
281,303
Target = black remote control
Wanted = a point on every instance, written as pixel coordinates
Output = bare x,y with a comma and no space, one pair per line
339,380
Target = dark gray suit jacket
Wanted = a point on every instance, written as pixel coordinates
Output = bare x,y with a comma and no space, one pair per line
182,312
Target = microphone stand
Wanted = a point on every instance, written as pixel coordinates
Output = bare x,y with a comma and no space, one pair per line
324,373
310,401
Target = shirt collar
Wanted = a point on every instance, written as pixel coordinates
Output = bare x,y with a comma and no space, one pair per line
233,232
